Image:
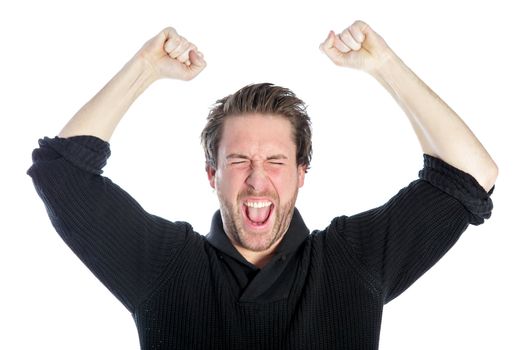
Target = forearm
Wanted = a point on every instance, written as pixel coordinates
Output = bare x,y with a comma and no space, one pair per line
101,115
439,129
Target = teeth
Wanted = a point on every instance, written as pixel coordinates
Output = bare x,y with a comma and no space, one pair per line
257,204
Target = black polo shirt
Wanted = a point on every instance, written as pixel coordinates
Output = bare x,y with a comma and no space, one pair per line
250,283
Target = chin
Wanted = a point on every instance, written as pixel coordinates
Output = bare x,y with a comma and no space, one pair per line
257,242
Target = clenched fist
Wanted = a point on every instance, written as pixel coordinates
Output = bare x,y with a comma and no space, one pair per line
358,46
170,55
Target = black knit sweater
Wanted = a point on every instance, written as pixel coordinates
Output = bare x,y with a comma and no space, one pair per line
323,290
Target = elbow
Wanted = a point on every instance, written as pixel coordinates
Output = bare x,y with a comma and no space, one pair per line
489,178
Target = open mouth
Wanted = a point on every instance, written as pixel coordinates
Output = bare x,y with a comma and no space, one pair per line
257,213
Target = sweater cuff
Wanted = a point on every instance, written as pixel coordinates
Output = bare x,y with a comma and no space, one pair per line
460,185
87,152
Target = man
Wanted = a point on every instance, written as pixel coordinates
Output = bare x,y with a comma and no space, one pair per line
260,279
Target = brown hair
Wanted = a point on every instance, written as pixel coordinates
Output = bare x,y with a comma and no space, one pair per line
264,98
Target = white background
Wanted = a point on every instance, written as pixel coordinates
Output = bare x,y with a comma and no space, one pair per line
56,55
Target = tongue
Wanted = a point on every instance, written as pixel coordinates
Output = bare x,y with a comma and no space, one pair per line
258,215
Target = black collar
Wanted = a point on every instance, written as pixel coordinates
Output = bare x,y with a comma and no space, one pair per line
296,234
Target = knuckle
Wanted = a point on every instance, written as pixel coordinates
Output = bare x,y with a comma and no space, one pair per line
171,45
169,32
176,41
168,47
355,32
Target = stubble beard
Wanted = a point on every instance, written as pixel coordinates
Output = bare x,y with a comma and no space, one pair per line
232,221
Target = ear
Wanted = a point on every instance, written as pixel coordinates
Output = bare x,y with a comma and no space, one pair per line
301,172
211,175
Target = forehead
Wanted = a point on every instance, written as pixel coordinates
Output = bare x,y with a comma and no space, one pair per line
255,133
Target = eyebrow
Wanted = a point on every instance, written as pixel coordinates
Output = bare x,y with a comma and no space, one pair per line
277,156
236,155
242,156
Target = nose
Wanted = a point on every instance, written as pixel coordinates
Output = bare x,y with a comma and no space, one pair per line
257,179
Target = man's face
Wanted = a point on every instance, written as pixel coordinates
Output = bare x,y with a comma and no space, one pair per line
257,180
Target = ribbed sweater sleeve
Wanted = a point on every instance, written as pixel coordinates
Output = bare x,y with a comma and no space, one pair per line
399,241
123,245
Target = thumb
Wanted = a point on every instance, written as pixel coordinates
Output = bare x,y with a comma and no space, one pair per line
328,47
329,42
197,61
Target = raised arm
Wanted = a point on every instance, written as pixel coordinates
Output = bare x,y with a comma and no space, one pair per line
167,55
440,131
125,246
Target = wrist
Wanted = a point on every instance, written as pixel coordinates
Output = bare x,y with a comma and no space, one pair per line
387,62
144,69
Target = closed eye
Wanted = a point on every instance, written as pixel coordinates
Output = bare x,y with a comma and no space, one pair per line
237,159
277,159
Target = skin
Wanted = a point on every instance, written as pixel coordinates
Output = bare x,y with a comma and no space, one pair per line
440,131
256,162
160,57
